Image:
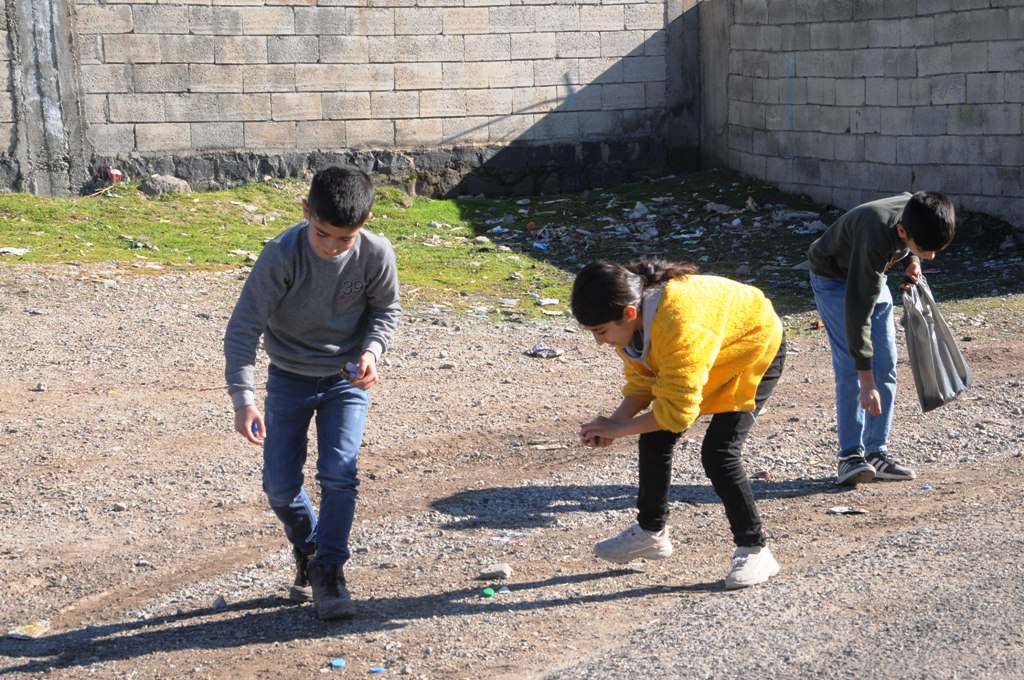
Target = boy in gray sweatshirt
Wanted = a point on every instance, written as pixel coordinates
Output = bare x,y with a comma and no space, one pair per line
324,296
848,275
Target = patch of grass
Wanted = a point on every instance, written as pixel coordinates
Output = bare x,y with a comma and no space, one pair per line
496,257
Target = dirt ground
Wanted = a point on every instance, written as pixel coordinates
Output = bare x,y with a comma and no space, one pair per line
133,520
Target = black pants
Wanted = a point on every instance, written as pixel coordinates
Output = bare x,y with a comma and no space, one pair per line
720,455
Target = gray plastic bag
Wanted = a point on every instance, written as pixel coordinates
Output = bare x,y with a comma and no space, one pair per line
940,372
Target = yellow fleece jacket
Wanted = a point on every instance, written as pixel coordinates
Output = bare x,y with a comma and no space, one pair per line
711,341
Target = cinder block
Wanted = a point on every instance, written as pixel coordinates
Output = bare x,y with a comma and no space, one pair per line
850,92
518,19
934,60
241,50
90,48
443,104
130,47
394,105
1001,119
796,38
865,120
217,136
244,107
215,20
345,105
601,71
969,57
351,78
822,91
867,63
1014,87
763,91
268,21
344,49
323,21
268,78
655,96
295,106
1006,56
508,129
162,19
608,17
621,96
323,135
94,109
104,19
897,121
642,16
576,45
751,12
900,63
187,49
537,100
781,12
533,45
557,125
852,147
215,78
982,150
464,76
465,130
985,88
419,133
779,169
948,89
106,78
917,32
490,102
855,36
883,33
162,137
293,49
270,135
556,71
966,178
576,98
509,74
643,69
620,44
160,78
191,107
768,38
462,20
371,21
809,10
364,134
655,43
826,36
930,120
838,10
913,92
880,91
990,24
111,139
418,76
488,48
419,21
1001,181
136,108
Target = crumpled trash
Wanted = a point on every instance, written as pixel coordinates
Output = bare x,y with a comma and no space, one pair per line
30,631
846,510
544,351
13,251
718,208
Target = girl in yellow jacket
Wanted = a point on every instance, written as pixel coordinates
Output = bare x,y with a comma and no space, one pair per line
691,344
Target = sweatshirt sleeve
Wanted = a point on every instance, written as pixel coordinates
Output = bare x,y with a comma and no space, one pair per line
684,364
382,300
863,284
263,289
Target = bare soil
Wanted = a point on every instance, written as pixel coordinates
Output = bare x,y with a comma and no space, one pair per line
133,520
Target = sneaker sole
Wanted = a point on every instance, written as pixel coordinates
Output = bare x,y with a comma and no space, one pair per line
889,477
858,477
619,558
300,594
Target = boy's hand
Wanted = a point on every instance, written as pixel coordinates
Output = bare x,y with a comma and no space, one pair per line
366,376
870,399
249,424
912,271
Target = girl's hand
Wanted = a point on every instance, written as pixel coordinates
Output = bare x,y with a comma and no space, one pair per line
599,432
249,424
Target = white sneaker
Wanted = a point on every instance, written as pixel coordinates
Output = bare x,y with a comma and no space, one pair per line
634,543
750,566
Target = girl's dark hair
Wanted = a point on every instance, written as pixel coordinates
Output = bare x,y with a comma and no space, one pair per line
930,219
341,197
603,289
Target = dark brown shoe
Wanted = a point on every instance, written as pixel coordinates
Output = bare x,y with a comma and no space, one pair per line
300,590
330,596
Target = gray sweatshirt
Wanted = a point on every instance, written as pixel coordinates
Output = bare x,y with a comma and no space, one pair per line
315,315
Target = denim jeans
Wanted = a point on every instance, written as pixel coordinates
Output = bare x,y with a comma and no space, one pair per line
340,410
859,431
720,455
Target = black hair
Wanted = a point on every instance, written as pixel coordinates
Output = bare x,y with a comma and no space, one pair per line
603,289
930,220
341,197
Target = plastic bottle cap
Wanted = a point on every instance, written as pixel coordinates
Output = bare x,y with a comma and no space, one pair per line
488,592
338,663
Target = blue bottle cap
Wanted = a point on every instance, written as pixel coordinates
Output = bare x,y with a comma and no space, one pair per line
338,663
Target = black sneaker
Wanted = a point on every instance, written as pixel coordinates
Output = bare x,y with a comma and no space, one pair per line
853,469
330,596
300,590
887,467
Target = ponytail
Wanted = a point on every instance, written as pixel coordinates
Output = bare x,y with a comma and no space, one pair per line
603,289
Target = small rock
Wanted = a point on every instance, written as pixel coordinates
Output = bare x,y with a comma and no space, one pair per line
164,184
219,604
40,387
495,571
119,507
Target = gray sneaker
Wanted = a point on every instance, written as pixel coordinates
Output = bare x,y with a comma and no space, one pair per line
751,566
634,543
887,467
853,469
330,596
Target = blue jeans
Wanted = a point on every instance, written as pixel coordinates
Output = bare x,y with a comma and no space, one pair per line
859,431
340,409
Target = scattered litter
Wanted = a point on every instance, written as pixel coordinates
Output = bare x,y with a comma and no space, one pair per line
544,352
846,510
40,387
523,201
548,446
504,590
531,226
927,487
508,302
351,371
540,245
377,669
13,251
508,537
500,570
498,230
786,215
488,592
718,208
114,175
751,203
338,663
544,302
30,631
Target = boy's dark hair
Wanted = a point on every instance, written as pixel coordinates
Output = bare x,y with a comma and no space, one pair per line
341,197
930,219
603,289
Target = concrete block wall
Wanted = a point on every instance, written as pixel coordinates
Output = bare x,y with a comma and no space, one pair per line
296,76
847,101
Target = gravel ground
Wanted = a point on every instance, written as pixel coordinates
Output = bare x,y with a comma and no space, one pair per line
133,519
